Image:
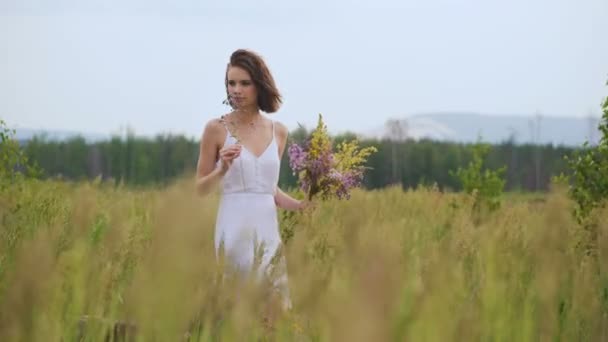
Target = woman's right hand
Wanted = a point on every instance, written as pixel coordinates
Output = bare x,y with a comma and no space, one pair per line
228,155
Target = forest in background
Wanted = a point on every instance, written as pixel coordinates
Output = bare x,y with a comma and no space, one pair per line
138,161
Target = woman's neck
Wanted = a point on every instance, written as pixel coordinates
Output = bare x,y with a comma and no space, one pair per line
247,113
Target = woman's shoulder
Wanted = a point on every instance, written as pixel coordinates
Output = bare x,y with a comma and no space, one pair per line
215,126
280,128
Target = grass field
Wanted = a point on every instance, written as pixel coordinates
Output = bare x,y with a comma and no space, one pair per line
81,261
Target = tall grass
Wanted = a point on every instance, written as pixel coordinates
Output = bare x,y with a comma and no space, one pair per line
86,261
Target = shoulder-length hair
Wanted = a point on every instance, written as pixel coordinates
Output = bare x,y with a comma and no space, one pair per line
269,98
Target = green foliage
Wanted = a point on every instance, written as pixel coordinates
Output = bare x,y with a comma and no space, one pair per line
14,164
487,185
138,161
589,178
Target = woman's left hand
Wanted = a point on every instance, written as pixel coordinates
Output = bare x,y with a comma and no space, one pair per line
306,205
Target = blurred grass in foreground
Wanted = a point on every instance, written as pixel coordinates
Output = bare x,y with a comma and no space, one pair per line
386,265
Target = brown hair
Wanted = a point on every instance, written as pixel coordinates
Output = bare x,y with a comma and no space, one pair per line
269,98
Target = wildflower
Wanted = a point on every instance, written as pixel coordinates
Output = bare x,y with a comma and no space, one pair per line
230,124
321,171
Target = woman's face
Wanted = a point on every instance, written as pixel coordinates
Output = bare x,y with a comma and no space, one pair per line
241,88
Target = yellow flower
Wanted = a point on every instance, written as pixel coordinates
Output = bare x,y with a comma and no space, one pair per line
319,140
348,156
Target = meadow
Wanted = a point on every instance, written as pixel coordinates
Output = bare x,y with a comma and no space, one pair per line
90,261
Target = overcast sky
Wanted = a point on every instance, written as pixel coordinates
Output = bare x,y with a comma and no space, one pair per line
158,66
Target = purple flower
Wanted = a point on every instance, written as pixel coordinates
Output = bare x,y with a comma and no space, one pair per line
344,182
320,172
297,158
320,175
322,166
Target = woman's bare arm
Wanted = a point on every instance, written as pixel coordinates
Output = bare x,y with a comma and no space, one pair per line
208,175
282,199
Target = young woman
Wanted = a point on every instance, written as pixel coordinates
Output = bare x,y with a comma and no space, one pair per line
241,153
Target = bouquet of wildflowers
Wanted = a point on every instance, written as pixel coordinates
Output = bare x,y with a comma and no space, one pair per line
321,171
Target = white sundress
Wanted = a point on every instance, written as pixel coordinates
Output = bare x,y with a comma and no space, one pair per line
247,216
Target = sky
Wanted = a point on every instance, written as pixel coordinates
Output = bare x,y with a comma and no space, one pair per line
98,66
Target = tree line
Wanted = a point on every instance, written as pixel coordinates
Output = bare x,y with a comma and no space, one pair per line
141,161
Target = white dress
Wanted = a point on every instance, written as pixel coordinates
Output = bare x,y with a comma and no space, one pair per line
247,217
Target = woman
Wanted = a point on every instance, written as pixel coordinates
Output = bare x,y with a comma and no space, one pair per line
241,152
